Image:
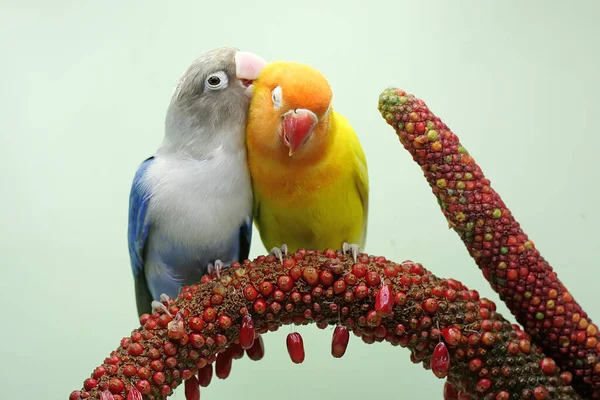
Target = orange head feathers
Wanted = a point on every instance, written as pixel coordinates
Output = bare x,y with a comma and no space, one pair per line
290,109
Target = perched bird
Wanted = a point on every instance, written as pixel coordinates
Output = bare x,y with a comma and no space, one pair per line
190,206
309,172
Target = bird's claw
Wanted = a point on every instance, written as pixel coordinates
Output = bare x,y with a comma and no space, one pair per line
158,306
164,298
279,252
216,267
352,248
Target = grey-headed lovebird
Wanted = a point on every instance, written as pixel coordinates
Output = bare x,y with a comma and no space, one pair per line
190,207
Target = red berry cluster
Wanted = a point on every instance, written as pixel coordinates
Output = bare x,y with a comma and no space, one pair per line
447,327
507,257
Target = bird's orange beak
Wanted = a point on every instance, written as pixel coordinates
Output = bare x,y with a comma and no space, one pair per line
296,128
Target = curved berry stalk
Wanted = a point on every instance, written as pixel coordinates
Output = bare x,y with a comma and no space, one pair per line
507,257
445,326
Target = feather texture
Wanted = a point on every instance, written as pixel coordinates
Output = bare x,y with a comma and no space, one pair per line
319,197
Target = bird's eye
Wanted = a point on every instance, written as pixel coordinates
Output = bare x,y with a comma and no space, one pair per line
276,97
216,81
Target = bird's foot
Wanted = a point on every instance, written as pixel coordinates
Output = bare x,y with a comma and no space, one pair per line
217,268
159,306
279,252
352,248
164,298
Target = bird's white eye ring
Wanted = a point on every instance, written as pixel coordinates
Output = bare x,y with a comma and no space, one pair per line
276,97
216,81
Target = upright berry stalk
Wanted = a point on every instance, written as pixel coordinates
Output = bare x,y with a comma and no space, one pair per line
507,257
447,327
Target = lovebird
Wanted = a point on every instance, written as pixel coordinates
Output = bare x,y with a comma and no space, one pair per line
309,172
190,205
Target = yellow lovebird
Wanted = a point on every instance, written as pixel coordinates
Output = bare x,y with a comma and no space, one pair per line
309,172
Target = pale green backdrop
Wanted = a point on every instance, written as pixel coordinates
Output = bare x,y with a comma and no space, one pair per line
83,93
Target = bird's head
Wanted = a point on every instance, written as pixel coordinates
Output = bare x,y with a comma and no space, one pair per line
290,107
213,94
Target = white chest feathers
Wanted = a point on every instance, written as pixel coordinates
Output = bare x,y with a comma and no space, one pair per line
199,202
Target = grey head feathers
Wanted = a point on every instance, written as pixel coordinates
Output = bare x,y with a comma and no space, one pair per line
208,104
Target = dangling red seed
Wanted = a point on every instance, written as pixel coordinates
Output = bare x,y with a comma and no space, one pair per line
339,343
384,301
295,347
450,392
192,389
205,375
134,394
247,332
223,364
440,360
257,351
237,351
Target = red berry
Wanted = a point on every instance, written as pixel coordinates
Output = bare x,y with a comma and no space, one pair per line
540,393
548,366
339,286
373,278
224,322
266,288
209,314
295,347
250,293
452,336
360,270
326,278
430,305
158,378
115,385
143,373
89,383
310,275
483,385
440,360
129,370
143,386
136,349
285,283
196,324
260,306
373,318
75,395
339,343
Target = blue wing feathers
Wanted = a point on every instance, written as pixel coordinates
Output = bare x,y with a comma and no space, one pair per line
137,234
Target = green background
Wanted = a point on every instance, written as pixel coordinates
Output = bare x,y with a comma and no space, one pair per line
83,93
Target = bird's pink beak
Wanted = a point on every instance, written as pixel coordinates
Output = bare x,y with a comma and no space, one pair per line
297,126
248,67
